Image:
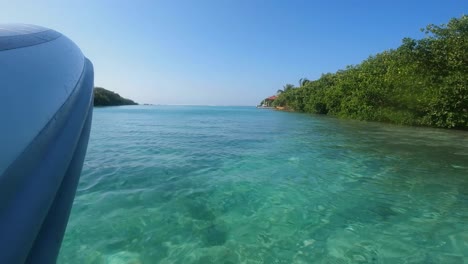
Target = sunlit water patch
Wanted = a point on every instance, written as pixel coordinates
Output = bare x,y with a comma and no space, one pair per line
241,185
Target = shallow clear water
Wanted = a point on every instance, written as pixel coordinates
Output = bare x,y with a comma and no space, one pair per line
179,184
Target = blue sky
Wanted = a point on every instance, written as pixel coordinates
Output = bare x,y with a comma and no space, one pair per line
226,52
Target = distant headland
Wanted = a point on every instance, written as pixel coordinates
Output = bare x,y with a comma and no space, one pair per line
103,97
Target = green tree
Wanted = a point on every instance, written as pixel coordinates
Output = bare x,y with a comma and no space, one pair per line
422,82
303,82
288,87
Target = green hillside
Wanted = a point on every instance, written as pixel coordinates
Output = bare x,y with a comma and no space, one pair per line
103,97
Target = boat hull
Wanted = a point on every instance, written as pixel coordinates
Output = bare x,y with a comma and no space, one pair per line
47,86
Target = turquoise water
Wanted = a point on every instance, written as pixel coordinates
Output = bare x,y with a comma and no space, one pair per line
180,184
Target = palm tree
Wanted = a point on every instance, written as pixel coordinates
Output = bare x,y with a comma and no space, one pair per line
303,81
288,87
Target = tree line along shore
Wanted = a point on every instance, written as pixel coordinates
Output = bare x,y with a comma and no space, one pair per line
423,82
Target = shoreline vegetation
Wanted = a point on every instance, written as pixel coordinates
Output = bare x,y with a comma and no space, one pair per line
103,97
421,83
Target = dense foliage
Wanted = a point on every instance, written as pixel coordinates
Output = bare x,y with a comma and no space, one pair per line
422,82
103,97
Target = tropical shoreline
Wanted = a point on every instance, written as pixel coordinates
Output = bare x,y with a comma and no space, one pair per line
421,83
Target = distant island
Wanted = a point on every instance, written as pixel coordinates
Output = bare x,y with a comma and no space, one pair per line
423,82
103,97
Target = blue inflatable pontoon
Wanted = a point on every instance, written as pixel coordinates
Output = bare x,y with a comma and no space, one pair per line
46,100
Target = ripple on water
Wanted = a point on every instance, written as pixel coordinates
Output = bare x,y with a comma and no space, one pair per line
237,185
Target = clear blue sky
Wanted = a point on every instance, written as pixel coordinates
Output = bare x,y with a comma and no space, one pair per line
226,52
